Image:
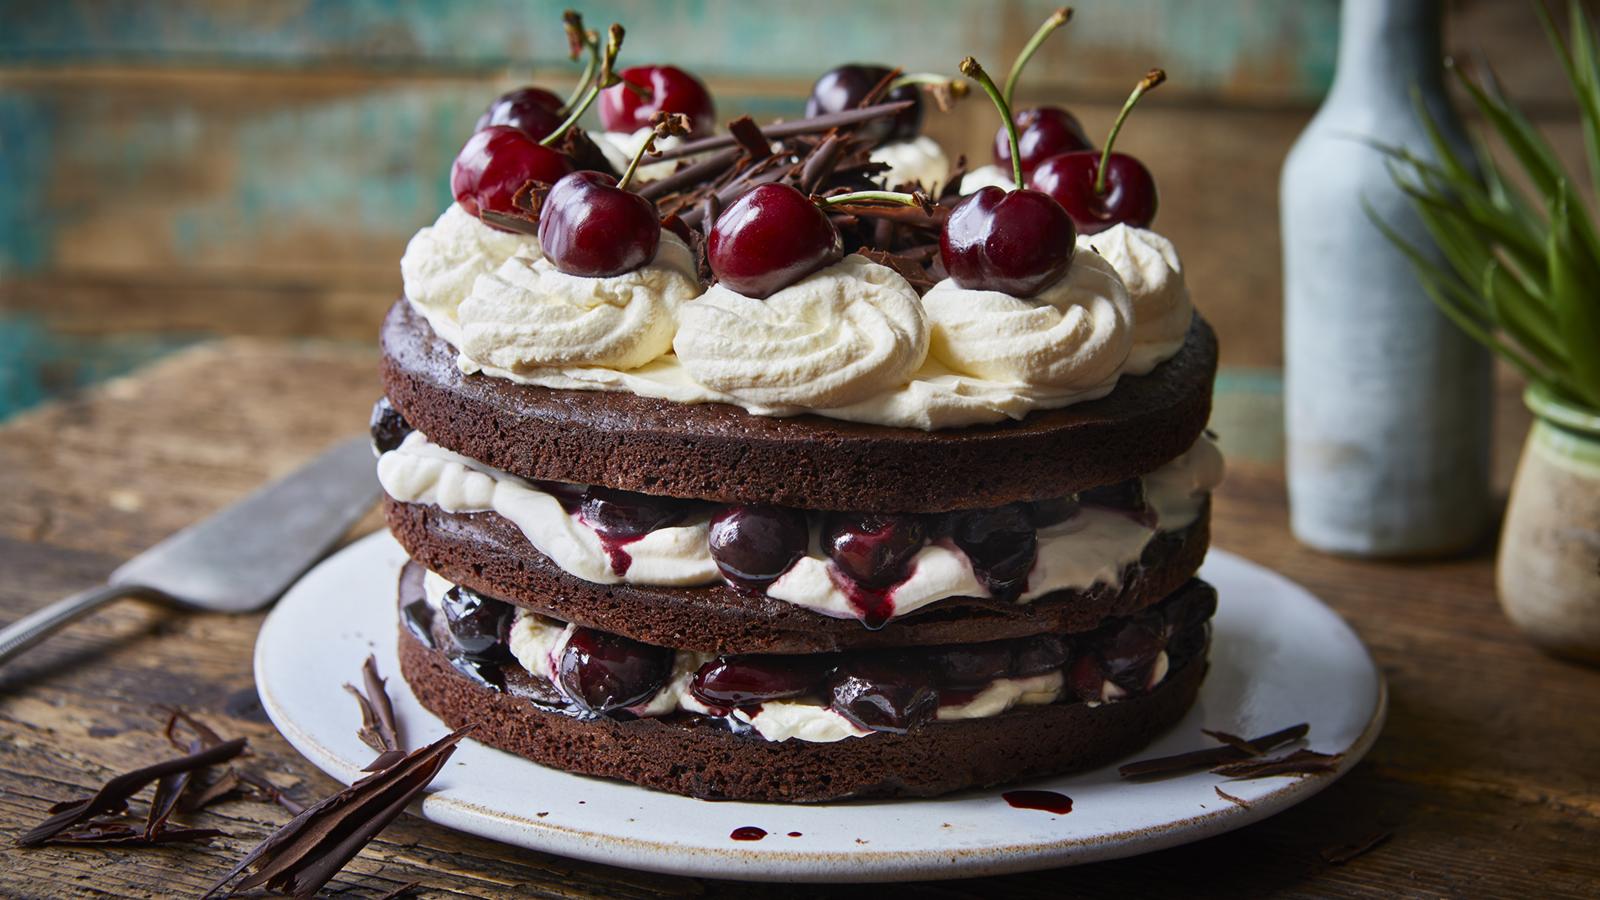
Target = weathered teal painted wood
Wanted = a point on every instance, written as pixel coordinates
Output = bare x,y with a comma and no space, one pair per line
37,365
1283,49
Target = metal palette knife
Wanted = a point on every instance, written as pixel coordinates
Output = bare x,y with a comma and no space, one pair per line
239,559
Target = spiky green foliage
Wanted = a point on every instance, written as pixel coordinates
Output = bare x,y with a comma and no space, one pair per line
1521,270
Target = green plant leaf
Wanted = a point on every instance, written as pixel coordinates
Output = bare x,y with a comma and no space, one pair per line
1577,308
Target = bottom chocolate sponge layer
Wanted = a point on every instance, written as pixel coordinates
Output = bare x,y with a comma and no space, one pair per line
686,756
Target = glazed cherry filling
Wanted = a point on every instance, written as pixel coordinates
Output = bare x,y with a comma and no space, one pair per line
602,674
870,555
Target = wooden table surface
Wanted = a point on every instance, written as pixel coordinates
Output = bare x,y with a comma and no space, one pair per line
1487,775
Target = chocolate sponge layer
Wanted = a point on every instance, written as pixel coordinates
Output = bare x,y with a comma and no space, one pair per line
719,452
688,756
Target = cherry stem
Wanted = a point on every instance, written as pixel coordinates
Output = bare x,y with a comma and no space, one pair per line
971,69
933,78
604,79
1149,81
591,41
665,124
1057,19
898,197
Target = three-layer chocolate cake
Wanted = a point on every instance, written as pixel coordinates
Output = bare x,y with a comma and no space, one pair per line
758,481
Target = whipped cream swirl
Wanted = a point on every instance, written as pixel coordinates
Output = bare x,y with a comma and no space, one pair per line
837,336
987,176
529,315
920,160
1149,267
1073,335
442,261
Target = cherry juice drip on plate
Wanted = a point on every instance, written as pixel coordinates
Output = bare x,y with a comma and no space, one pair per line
748,833
1048,801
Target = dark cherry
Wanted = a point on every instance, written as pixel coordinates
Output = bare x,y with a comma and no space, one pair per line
753,545
770,238
1045,513
387,427
1016,242
534,111
1191,606
495,163
1124,495
1086,678
845,87
477,623
602,671
1129,198
1038,655
733,681
519,682
1129,650
971,665
670,89
1002,545
884,695
1042,132
625,514
872,548
590,227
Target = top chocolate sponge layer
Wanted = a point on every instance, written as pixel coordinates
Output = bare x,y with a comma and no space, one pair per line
719,452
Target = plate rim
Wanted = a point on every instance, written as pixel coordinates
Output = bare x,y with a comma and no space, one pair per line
860,865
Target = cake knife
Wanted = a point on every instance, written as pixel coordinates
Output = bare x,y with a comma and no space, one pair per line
239,559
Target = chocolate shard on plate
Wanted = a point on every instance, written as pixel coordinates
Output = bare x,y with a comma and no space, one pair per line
1212,756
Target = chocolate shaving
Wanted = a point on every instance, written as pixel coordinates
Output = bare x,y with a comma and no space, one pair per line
755,144
820,163
1344,853
306,853
114,796
809,125
689,175
100,832
909,269
1211,756
384,760
225,785
378,729
1233,740
1236,801
1300,762
267,792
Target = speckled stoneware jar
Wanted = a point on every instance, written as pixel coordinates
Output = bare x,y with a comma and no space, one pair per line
1549,567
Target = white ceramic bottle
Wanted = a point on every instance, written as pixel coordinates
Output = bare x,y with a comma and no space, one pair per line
1387,403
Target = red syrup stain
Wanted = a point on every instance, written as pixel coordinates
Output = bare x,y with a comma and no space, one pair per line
1048,801
875,606
794,834
748,833
620,560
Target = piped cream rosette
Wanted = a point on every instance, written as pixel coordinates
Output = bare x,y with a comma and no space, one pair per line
1149,267
527,315
442,261
1074,335
838,336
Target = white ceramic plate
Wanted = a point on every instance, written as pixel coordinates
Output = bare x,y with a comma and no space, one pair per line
1278,657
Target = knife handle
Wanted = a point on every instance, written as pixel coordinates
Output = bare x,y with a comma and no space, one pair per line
35,626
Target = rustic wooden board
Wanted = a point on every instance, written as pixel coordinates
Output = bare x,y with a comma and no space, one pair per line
1488,773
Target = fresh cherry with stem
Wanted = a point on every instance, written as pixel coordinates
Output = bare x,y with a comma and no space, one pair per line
591,225
532,110
645,91
1044,131
770,238
1017,242
1103,189
497,161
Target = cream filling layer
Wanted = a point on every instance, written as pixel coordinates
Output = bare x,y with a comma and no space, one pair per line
537,643
1092,547
920,160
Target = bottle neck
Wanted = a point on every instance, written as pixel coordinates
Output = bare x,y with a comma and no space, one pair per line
1386,46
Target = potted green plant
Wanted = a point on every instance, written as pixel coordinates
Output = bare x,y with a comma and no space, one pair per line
1523,277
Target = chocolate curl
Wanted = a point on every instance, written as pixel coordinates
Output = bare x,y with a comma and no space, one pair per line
114,796
1214,756
745,130
1300,762
378,729
306,853
809,125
